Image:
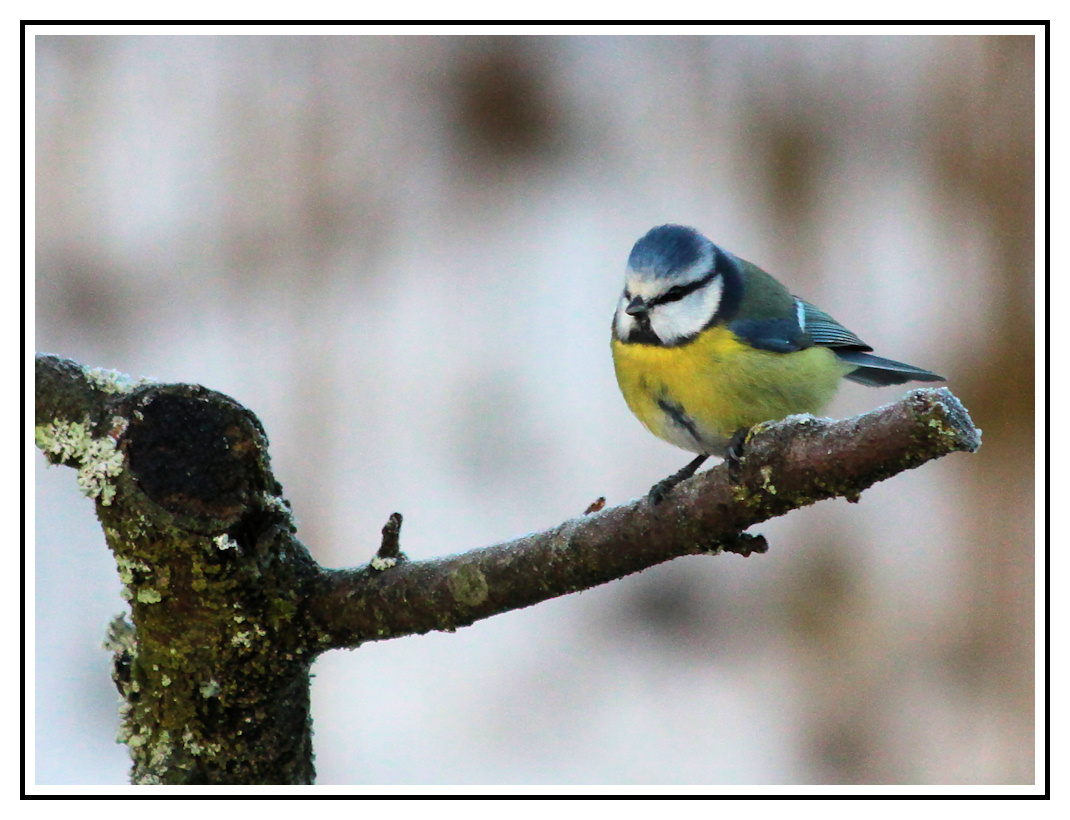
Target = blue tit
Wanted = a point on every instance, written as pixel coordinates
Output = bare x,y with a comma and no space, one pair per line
706,345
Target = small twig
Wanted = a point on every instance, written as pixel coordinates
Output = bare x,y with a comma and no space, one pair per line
390,552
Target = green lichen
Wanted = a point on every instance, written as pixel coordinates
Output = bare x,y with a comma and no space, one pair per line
65,440
128,567
380,563
191,744
224,542
210,689
103,461
112,381
242,639
100,459
281,611
468,585
766,473
121,636
149,596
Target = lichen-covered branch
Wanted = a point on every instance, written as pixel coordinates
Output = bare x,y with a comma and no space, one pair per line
214,672
229,609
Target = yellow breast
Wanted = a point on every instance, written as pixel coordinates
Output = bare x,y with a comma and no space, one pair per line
697,395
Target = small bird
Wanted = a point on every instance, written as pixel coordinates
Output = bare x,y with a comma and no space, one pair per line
706,345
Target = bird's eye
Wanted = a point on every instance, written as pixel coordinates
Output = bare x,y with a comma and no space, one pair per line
678,292
675,294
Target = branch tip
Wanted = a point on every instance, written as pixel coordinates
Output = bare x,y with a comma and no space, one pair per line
959,425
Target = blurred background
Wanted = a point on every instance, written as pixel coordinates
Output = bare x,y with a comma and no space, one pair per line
403,254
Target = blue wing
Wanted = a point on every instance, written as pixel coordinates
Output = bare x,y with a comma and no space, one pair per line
807,327
777,335
873,371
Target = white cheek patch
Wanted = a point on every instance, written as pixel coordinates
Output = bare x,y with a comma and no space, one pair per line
622,322
686,317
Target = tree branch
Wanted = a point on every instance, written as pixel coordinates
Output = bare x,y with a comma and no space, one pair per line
229,609
787,465
214,674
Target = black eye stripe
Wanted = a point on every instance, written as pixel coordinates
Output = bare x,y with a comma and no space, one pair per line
678,292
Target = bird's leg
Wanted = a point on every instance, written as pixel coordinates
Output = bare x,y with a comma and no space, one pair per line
733,456
664,487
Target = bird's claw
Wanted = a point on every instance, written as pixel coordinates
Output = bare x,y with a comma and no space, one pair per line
665,486
733,456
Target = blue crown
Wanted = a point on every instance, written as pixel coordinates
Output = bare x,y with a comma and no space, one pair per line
666,250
